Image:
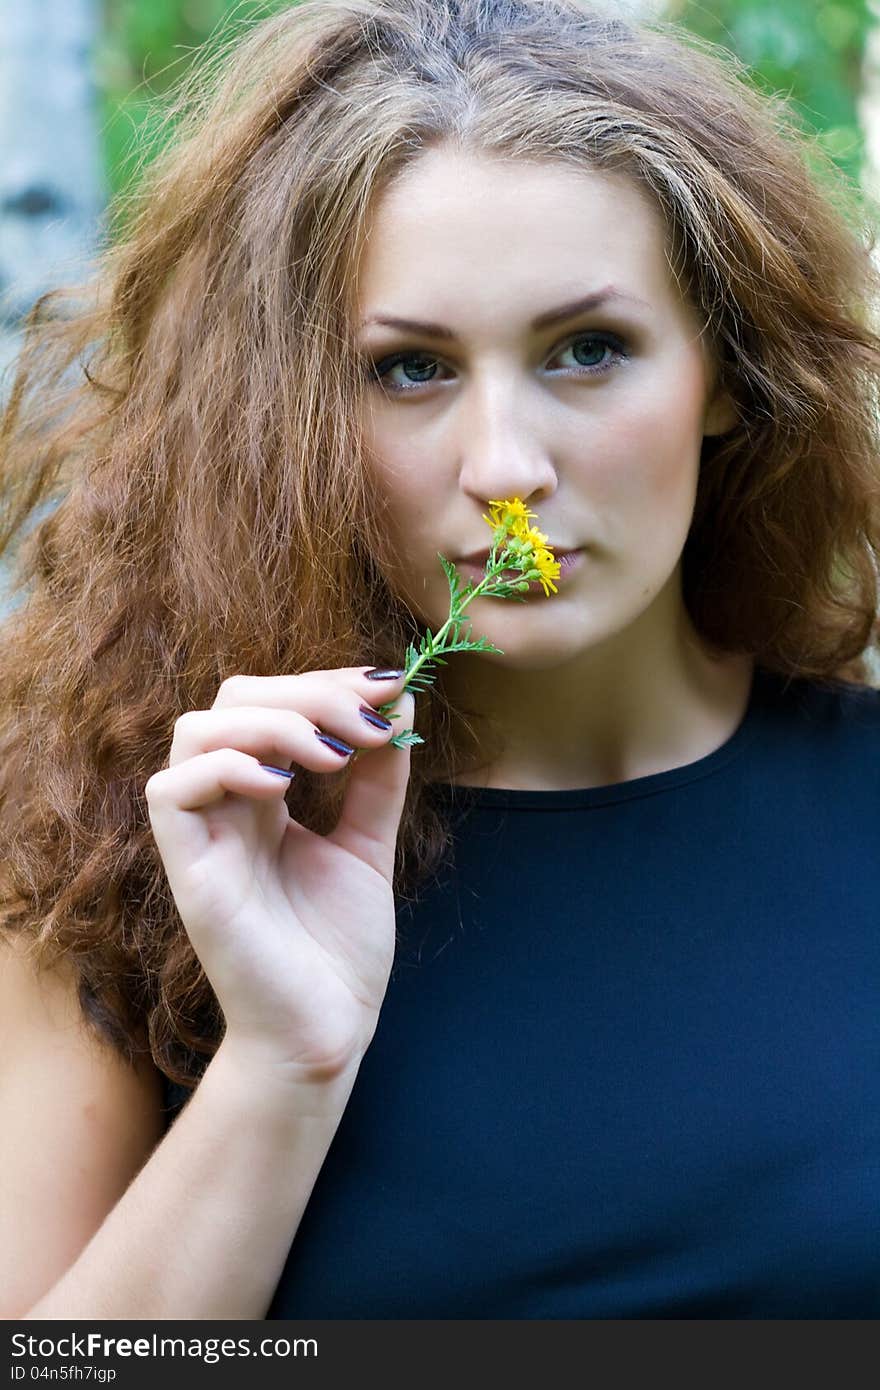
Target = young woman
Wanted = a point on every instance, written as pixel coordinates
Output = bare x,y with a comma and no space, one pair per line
569,1011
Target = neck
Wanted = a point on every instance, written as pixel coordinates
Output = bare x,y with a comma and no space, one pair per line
641,703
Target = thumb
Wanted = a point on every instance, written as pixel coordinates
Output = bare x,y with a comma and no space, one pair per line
375,795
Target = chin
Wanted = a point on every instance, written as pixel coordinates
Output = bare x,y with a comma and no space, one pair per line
544,646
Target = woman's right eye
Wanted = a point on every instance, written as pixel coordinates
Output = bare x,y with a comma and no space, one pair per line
380,370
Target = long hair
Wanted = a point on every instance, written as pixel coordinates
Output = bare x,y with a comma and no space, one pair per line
191,413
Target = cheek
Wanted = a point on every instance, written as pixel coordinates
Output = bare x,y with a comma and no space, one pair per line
409,511
395,477
407,507
646,466
410,486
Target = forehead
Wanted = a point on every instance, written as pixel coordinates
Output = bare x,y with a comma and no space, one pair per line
457,217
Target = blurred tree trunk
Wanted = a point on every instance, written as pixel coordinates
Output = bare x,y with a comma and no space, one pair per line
52,188
634,8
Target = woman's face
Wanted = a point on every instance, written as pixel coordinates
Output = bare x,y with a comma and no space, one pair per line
595,420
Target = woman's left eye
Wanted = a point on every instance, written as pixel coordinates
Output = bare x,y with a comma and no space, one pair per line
598,342
588,345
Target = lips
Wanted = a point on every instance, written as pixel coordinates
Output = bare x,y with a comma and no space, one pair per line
570,561
480,557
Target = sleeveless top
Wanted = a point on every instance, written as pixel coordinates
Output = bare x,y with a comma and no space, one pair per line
628,1063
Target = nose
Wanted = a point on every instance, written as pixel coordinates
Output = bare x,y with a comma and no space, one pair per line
503,453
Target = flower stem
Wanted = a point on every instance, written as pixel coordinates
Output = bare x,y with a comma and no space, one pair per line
457,612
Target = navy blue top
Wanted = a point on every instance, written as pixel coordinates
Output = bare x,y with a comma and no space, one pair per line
628,1064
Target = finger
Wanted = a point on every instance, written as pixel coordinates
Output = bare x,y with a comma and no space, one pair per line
375,797
177,796
282,736
310,693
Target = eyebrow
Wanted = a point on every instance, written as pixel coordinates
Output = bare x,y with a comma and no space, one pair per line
553,316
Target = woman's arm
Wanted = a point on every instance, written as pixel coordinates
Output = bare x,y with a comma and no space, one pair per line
204,1229
197,1223
102,1216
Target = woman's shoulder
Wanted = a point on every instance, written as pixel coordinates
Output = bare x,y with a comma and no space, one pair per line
77,1122
831,728
41,1015
835,703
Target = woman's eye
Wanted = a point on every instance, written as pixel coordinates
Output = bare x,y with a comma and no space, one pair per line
422,372
595,353
592,347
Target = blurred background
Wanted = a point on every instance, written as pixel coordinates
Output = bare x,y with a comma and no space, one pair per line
84,84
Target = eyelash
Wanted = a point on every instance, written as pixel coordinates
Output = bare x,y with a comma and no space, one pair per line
377,371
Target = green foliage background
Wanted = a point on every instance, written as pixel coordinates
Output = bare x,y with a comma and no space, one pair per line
809,51
143,49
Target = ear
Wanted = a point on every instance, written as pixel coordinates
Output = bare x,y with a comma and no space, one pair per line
720,414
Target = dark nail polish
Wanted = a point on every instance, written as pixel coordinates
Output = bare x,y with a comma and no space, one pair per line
282,772
373,718
378,674
335,743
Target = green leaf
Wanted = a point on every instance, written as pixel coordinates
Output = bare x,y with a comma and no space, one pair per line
452,577
484,645
406,740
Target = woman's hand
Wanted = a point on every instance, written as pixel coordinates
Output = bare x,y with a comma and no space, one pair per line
295,930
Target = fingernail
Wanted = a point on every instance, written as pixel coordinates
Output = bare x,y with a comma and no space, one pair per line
373,718
282,772
377,674
335,743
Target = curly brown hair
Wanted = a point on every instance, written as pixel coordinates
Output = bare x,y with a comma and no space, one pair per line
192,416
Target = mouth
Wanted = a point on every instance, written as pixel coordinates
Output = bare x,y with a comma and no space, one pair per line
480,558
569,561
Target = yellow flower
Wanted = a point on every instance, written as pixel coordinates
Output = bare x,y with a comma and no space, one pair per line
548,569
532,538
527,545
509,516
525,552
